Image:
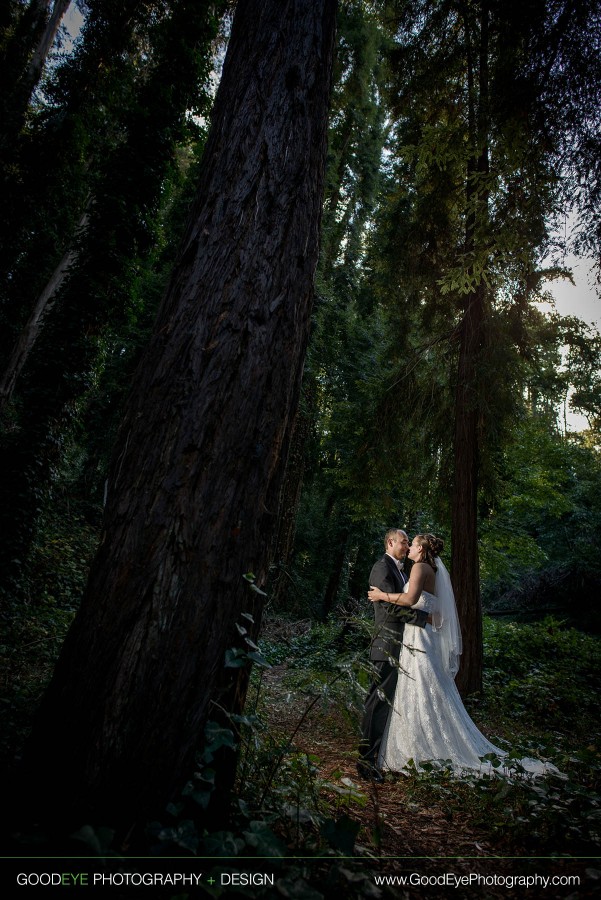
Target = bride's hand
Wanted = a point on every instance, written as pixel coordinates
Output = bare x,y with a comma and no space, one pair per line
375,594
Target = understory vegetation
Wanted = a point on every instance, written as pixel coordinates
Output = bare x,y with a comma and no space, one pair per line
297,794
540,699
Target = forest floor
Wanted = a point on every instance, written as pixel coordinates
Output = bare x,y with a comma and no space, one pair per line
419,828
408,830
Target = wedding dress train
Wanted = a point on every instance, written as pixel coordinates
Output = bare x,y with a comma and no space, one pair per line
428,720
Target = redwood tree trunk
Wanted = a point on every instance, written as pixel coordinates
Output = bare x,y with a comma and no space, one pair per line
464,516
194,484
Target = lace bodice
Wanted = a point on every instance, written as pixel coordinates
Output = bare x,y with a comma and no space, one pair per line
427,601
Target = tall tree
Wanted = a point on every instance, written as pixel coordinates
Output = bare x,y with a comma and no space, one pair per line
467,437
478,188
197,471
44,45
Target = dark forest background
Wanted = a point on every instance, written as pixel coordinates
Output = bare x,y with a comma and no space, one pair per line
287,408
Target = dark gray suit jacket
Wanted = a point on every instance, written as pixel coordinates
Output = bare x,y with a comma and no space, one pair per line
390,618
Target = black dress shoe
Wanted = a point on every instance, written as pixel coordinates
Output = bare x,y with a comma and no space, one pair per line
369,772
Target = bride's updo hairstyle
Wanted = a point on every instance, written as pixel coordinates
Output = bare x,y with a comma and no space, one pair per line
431,545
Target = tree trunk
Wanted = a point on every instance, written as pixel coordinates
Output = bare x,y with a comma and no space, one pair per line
29,334
464,516
198,467
36,64
21,64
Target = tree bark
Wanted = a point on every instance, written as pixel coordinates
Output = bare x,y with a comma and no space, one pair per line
198,467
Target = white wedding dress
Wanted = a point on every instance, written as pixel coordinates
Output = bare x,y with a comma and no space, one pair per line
428,720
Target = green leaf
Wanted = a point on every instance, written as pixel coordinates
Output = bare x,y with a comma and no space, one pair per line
217,736
259,659
264,841
235,658
257,590
222,844
341,833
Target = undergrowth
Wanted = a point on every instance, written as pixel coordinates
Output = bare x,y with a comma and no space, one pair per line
541,688
287,808
540,698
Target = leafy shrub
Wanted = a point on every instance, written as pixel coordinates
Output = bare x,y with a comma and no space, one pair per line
543,671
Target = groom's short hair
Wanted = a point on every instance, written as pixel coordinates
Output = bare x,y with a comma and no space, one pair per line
391,533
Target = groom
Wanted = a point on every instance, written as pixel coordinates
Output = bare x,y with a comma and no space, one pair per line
388,575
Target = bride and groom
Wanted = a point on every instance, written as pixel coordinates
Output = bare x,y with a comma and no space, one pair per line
413,710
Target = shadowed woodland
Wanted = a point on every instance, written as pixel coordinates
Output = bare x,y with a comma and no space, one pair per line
275,276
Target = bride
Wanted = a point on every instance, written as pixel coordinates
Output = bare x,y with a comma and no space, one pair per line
428,719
